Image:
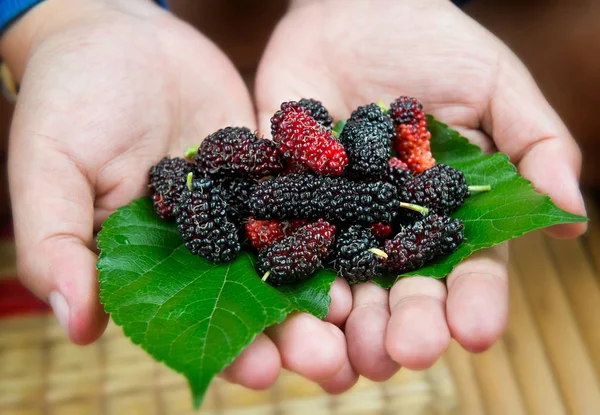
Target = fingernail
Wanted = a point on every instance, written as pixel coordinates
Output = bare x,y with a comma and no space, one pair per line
60,307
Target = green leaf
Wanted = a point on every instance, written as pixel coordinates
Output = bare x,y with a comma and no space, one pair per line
196,316
511,209
193,315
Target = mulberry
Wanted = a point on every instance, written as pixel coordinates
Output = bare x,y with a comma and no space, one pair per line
292,167
406,111
368,148
167,181
297,256
381,230
335,199
238,151
262,233
295,224
203,223
317,111
354,258
373,114
441,188
423,241
304,141
236,193
412,141
398,173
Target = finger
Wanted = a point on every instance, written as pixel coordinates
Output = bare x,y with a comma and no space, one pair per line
310,347
257,367
562,186
365,333
342,381
525,127
341,302
477,304
53,217
417,333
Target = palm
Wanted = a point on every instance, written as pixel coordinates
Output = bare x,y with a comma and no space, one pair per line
101,101
365,55
136,107
367,51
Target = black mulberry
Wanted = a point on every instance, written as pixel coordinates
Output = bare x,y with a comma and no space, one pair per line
317,110
368,148
352,258
236,192
297,256
421,242
398,173
238,151
373,114
203,223
335,199
167,181
441,188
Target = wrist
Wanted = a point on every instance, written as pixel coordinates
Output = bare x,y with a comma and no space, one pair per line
50,17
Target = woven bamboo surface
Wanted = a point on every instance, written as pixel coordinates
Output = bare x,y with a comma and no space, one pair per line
548,362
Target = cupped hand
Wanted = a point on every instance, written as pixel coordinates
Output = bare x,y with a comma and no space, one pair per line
107,89
351,52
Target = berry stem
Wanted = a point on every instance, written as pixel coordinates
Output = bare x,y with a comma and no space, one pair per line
188,182
264,278
482,188
378,252
383,107
190,152
338,127
421,209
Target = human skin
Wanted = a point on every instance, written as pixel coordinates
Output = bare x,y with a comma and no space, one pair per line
110,86
107,88
351,52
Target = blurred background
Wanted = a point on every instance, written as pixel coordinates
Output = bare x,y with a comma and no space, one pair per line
547,363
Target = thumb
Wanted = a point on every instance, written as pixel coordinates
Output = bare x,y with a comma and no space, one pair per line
53,212
525,127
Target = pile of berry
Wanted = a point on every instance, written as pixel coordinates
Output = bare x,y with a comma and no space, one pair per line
311,197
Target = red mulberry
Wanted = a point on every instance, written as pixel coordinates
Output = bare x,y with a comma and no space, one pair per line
381,230
262,233
304,141
412,137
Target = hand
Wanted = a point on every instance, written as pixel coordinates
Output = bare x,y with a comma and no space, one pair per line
350,52
109,88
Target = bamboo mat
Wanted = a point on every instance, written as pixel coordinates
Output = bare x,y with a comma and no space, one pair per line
548,362
41,373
